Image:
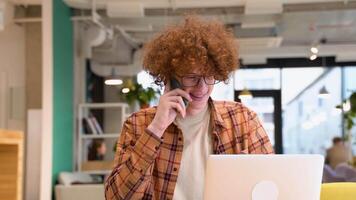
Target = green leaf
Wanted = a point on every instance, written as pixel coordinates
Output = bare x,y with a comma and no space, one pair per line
350,115
352,99
140,94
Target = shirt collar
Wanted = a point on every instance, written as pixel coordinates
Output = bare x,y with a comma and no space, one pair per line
217,120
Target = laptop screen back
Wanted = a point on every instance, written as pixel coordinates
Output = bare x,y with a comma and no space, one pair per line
292,177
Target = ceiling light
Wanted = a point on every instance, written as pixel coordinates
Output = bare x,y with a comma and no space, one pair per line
125,90
245,94
113,79
313,57
323,93
314,49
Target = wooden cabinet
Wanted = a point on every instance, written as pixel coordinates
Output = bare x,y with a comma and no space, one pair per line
11,164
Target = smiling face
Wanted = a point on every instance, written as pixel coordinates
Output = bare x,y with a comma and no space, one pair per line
200,92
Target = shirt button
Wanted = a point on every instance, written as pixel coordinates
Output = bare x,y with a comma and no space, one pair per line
175,169
180,139
156,147
132,143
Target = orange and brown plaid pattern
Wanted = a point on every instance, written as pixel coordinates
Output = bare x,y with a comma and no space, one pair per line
146,166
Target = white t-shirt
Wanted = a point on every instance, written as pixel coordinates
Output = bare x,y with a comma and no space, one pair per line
197,147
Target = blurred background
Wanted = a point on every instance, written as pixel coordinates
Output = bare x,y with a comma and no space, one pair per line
71,73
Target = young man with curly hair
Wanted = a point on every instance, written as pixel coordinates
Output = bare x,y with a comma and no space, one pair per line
162,151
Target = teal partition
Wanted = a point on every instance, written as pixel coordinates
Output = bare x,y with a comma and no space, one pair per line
62,89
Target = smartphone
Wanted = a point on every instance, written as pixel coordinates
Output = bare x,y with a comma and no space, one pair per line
175,84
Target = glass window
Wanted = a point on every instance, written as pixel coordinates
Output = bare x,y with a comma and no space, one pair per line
350,87
295,80
349,81
146,80
264,108
257,79
223,91
309,121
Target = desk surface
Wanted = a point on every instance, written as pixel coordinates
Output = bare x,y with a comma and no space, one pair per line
11,159
9,134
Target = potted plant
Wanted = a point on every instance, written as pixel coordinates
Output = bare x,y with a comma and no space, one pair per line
141,95
349,114
349,108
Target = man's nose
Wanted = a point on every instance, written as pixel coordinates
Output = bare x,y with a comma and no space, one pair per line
201,82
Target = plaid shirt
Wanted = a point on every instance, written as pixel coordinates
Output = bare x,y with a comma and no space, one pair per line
146,166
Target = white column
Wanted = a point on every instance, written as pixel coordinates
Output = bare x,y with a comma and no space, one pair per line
47,101
33,154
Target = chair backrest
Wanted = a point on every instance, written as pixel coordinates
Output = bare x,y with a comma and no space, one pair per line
338,191
67,178
346,171
329,175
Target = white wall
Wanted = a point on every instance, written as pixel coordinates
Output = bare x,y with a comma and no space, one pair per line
33,154
12,67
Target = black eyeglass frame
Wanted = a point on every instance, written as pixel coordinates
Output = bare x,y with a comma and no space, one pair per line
198,81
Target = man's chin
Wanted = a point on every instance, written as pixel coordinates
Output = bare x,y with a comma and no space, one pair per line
199,98
199,102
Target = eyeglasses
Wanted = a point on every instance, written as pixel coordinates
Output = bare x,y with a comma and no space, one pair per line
194,80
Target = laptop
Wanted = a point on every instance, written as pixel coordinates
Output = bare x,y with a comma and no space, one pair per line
263,177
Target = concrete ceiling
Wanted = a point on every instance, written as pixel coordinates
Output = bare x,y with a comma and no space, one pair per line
337,26
265,28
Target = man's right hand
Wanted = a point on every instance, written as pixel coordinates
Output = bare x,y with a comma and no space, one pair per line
170,104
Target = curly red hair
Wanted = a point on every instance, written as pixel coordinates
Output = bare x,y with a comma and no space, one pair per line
195,44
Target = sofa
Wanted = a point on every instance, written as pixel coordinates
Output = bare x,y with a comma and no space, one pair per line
75,186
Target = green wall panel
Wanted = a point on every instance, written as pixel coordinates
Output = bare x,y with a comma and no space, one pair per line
63,89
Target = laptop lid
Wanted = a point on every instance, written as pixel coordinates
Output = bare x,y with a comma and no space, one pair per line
267,177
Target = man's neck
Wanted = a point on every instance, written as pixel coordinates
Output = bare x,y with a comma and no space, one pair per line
191,111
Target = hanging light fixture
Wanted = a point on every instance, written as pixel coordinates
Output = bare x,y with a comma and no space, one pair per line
113,79
313,57
314,49
323,93
245,94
